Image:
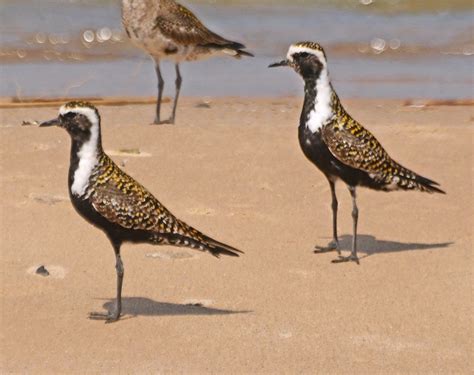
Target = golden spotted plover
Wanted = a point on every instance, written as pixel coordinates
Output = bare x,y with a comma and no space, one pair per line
338,145
168,30
114,202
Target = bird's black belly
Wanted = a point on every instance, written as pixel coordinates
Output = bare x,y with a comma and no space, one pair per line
113,231
319,154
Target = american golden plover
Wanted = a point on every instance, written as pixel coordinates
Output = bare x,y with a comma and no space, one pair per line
114,202
338,145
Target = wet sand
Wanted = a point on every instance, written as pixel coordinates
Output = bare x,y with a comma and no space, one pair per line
236,172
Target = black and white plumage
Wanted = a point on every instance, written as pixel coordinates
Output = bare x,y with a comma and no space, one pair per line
114,202
338,145
168,30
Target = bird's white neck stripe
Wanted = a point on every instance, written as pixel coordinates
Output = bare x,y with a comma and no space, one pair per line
322,111
87,154
88,159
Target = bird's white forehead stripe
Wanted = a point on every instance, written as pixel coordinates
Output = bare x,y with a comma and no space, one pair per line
86,111
299,49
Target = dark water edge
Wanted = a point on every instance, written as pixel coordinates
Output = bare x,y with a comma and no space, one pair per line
383,50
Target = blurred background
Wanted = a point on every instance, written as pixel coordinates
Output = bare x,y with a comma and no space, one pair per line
376,49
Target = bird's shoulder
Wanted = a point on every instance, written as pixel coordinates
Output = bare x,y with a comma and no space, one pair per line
179,14
182,26
353,144
122,200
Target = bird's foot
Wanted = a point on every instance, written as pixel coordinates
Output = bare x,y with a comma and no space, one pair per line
109,317
169,121
350,258
333,245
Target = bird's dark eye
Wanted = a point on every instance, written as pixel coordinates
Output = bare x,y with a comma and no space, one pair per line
68,116
304,55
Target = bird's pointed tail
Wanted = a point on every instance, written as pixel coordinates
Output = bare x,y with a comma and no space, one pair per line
405,179
425,184
241,53
192,238
231,48
217,248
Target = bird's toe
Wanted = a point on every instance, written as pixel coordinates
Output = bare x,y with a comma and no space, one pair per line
109,317
331,246
169,121
350,258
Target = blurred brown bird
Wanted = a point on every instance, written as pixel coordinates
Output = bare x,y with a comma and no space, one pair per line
168,30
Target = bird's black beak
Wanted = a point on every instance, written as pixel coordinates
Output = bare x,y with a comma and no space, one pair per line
53,122
281,63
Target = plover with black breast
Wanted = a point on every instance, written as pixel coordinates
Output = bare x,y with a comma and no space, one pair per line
114,202
338,145
167,30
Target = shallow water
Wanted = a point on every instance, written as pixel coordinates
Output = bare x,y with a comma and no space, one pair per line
372,52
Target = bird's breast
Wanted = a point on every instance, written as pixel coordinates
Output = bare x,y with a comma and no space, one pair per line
314,148
309,141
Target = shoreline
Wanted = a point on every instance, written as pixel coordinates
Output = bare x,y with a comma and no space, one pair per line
12,102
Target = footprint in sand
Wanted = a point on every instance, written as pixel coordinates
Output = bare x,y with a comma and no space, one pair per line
171,255
285,335
302,273
198,302
204,211
48,198
41,146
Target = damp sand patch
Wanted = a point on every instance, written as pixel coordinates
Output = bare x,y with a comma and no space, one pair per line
48,198
130,152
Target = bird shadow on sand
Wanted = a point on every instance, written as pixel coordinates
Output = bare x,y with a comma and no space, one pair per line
136,306
369,245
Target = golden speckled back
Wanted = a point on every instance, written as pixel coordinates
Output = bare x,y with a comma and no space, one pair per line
123,201
356,147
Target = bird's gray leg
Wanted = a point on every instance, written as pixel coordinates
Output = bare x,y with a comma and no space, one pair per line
120,271
161,85
114,315
355,217
178,82
334,244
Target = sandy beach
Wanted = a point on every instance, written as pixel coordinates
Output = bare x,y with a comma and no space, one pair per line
233,168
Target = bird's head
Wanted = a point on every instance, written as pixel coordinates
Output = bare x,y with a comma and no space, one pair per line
306,58
80,119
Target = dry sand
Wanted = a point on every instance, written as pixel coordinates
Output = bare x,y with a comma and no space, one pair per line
235,171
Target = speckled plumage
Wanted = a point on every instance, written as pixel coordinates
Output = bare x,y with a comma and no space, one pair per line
337,144
166,29
123,201
114,202
356,147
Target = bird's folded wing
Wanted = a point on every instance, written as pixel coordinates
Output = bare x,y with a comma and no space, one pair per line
356,147
125,202
182,26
